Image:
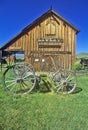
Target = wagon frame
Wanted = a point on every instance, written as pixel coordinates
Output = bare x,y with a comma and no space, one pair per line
21,78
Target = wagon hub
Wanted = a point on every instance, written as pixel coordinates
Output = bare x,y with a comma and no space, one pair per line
20,80
64,83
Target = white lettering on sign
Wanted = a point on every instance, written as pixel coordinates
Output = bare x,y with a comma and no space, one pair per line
50,40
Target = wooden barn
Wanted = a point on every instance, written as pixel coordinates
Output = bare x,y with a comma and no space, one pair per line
49,39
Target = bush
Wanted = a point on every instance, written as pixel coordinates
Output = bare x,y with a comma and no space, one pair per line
77,66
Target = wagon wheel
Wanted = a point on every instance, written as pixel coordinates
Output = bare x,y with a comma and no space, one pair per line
53,72
64,81
19,79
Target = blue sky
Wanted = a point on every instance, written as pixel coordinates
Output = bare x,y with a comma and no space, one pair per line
17,14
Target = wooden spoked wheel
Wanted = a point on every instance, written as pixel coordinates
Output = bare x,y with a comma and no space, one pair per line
54,72
19,79
64,81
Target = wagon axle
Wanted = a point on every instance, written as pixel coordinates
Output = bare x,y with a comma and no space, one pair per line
19,80
64,83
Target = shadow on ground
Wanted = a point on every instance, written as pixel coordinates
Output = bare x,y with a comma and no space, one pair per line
77,90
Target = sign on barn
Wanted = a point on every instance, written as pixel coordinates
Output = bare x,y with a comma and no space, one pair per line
56,40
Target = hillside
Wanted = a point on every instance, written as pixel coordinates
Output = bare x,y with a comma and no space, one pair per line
82,55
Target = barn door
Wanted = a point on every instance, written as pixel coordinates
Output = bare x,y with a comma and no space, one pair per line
36,63
47,63
56,60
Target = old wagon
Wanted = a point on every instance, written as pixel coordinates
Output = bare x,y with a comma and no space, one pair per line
84,62
21,78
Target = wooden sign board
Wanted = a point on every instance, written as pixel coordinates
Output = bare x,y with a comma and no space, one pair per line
55,40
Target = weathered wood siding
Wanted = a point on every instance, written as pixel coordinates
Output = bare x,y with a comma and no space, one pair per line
49,27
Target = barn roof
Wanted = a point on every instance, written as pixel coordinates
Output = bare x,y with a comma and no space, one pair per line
48,13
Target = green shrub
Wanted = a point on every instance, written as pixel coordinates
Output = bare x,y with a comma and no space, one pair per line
77,66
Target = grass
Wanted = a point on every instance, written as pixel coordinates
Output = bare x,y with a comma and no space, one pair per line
45,111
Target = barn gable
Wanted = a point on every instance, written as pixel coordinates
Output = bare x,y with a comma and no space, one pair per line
36,22
49,35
